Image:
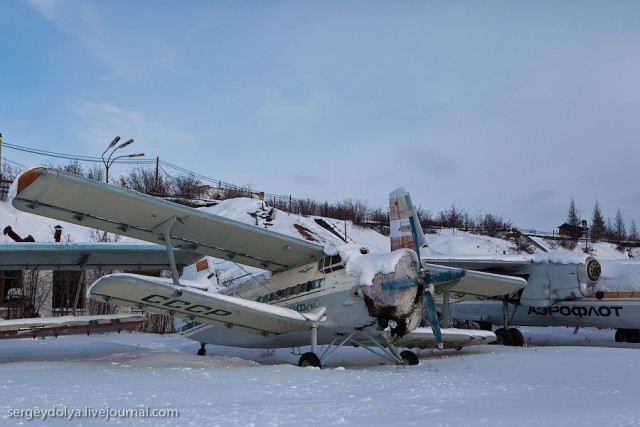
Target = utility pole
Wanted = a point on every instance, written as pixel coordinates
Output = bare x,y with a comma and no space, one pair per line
157,170
0,156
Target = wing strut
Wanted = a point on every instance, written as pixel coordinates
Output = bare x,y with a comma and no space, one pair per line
76,300
165,230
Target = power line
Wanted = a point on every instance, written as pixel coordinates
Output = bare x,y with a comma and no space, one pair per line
71,156
130,161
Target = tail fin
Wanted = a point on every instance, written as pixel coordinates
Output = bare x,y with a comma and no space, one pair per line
400,210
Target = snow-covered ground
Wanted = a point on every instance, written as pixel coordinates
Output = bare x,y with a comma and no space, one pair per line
558,379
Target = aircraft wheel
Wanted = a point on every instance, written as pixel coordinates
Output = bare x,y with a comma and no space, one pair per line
627,335
518,339
503,337
309,359
202,351
409,358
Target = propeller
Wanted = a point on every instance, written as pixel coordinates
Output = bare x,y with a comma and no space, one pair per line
427,282
425,279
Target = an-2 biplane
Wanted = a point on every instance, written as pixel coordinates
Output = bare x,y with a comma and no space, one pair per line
312,295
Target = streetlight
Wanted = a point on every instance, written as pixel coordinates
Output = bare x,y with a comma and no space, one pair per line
109,161
586,235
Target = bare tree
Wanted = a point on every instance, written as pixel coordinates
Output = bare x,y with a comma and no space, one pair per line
8,173
185,186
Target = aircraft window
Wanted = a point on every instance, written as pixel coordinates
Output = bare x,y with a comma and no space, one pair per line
330,263
291,291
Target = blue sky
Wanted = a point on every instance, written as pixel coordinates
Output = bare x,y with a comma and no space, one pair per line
503,107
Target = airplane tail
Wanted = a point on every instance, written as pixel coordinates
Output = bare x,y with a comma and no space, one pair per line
400,210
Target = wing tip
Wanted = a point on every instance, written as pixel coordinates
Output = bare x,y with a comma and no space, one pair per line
27,178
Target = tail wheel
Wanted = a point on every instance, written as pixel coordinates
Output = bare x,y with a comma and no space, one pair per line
202,351
309,359
409,358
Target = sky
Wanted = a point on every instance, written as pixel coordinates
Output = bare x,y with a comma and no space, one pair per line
512,108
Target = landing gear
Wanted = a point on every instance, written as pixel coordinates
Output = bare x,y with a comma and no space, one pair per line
409,358
628,335
511,336
202,351
518,339
309,359
507,335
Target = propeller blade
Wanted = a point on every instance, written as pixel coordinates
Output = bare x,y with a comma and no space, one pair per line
430,308
414,233
397,284
449,275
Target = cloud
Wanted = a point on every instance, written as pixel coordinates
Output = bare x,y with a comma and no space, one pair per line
46,8
535,197
285,114
127,52
99,123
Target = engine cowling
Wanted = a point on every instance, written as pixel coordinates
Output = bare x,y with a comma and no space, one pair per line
403,306
560,279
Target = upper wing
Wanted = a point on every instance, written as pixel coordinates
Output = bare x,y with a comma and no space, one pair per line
475,283
160,296
452,338
90,256
87,202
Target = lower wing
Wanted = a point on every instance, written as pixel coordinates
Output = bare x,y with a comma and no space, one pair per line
160,296
69,325
452,338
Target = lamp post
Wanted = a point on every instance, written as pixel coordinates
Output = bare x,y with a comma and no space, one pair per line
586,235
109,161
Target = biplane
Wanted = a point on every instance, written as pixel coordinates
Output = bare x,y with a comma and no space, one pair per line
308,295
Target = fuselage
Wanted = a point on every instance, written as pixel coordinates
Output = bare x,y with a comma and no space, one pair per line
617,310
324,284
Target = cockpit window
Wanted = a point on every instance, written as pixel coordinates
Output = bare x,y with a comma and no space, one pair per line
330,263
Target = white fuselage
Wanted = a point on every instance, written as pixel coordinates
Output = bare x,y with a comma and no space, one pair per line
617,310
324,284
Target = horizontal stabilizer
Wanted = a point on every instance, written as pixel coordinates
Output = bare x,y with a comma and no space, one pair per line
475,284
160,296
